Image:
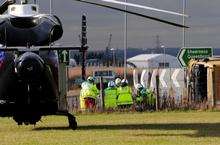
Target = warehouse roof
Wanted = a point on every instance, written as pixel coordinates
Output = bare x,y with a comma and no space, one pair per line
153,61
144,57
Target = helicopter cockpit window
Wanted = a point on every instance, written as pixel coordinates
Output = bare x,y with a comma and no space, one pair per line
13,9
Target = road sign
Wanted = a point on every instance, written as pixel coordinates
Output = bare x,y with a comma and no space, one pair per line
186,54
63,56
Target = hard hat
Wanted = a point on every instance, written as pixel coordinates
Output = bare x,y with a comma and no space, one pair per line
124,82
85,85
91,79
117,81
111,84
139,86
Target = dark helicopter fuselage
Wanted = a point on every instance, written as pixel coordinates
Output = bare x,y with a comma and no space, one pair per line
29,79
39,30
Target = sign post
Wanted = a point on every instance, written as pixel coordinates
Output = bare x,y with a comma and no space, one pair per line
63,56
62,105
188,53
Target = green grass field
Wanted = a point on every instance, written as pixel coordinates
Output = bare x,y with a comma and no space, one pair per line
177,128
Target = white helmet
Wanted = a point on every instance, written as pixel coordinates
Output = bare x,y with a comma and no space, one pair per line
85,85
139,86
91,79
117,81
111,84
124,82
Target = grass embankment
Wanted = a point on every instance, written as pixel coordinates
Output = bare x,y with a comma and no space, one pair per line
177,128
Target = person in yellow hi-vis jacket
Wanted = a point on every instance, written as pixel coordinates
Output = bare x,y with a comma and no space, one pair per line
88,94
124,98
110,96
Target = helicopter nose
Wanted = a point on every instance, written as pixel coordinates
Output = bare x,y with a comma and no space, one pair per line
29,66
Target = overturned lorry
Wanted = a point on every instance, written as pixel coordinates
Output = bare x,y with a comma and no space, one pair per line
204,82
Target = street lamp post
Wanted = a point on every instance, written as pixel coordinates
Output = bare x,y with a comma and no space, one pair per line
184,22
164,56
125,43
113,56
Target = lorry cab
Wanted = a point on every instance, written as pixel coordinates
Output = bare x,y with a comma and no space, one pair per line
204,81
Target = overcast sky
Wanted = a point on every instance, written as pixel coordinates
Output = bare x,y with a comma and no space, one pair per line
204,22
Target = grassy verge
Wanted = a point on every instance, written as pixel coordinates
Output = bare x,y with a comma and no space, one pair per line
177,128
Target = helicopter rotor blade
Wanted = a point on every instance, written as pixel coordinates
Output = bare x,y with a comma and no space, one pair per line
143,7
134,13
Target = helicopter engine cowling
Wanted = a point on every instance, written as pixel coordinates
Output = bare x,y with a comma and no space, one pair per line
34,89
29,67
39,30
55,33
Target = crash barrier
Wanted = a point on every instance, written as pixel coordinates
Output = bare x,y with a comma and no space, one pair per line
169,85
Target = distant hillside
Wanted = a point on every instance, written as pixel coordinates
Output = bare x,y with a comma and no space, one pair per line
107,57
172,51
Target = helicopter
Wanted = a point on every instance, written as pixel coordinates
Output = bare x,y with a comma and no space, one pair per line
29,65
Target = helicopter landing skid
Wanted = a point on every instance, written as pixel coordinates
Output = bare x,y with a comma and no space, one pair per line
71,119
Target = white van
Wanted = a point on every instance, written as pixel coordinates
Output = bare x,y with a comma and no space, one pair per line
105,74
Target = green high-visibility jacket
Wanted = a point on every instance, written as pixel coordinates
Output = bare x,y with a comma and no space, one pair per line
151,97
146,95
110,97
124,96
141,96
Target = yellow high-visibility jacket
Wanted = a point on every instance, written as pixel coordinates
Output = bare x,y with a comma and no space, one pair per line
88,90
110,97
124,96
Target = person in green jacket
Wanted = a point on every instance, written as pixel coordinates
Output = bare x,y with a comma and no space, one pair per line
145,99
110,96
151,100
124,95
88,94
140,98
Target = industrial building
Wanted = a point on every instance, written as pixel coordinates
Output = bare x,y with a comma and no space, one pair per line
154,61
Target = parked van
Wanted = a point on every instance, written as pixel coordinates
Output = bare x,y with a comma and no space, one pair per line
105,74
